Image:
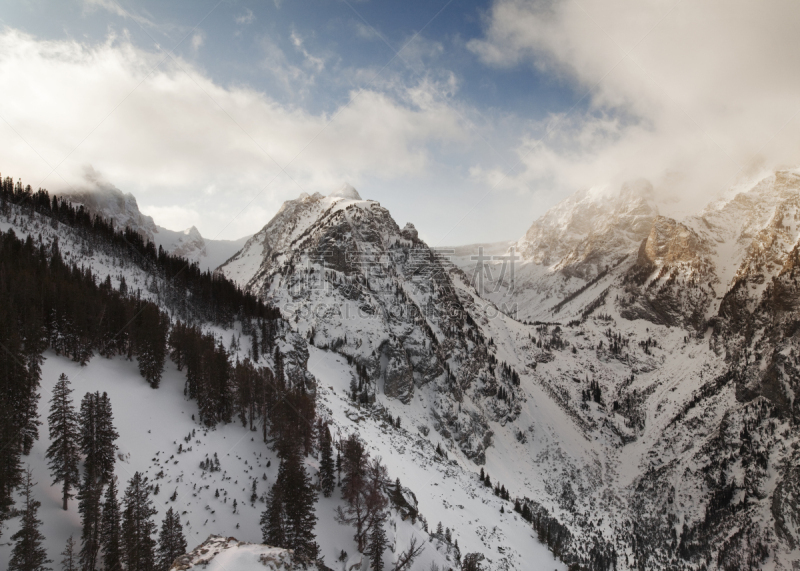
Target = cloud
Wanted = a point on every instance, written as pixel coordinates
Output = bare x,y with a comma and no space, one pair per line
317,63
174,217
692,95
365,32
246,18
172,136
198,38
114,7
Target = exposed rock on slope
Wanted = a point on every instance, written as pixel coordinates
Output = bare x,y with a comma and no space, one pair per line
588,229
111,203
349,279
574,243
221,553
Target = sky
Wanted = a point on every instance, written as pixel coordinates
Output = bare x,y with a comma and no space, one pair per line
467,118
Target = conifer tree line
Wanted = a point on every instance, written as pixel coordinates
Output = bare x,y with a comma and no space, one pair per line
45,302
281,404
214,297
28,553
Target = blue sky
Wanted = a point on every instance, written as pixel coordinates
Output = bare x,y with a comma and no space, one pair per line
469,119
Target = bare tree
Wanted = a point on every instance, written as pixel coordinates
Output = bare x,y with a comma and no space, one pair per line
407,557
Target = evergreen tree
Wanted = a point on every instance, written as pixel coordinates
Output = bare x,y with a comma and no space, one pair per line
299,500
97,436
70,562
88,439
150,338
377,541
89,508
289,519
28,553
138,545
354,466
272,520
16,389
472,562
254,347
110,529
64,435
106,435
327,478
171,542
363,487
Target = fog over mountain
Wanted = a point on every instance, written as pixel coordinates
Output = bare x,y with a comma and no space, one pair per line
693,96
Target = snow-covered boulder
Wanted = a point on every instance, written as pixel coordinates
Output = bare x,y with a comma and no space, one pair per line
221,553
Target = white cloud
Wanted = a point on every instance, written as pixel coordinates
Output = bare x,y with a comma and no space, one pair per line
365,32
695,92
198,38
173,217
174,138
317,63
246,18
115,8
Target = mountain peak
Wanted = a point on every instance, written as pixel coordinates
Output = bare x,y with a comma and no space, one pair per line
193,232
346,191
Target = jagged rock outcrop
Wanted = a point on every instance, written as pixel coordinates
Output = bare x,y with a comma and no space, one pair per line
566,251
670,282
106,200
589,230
349,279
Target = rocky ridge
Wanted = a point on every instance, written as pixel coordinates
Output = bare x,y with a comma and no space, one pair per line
111,203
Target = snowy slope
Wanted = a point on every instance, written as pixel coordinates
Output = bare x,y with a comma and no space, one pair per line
159,437
447,490
153,424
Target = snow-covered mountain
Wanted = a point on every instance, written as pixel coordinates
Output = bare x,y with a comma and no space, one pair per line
575,242
686,335
655,339
349,279
646,420
189,244
161,438
111,203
